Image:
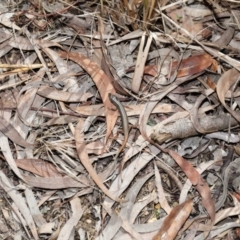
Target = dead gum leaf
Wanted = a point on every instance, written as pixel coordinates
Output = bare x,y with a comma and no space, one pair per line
102,82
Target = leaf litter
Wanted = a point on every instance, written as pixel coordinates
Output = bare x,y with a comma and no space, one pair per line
173,66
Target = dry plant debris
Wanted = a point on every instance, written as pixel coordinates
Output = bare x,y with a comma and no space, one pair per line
174,67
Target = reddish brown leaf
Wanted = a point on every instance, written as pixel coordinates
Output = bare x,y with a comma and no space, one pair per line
237,195
187,67
174,221
210,83
39,167
192,65
102,82
237,232
198,181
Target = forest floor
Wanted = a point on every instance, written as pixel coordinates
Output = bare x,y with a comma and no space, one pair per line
119,119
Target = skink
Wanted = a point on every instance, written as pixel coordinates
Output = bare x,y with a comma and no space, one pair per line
114,100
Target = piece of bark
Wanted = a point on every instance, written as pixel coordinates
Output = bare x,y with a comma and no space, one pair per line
183,128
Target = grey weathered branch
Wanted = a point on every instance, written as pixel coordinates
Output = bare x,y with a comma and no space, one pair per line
183,128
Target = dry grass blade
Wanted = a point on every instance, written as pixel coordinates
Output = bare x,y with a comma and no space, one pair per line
141,59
